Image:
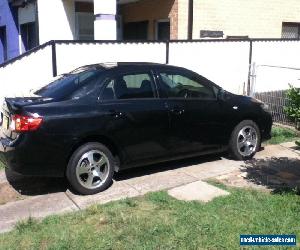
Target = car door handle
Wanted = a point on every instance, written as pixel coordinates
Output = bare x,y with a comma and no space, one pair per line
177,111
115,113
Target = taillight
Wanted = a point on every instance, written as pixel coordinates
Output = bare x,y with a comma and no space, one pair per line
20,123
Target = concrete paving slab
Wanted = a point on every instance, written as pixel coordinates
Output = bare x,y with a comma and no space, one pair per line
212,169
159,181
197,191
37,207
118,190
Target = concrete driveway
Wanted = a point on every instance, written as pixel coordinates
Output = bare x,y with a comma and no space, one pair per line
40,197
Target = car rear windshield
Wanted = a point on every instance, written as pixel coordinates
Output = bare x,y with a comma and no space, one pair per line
74,85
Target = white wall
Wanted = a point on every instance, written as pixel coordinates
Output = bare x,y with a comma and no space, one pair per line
275,64
30,72
71,56
225,63
56,20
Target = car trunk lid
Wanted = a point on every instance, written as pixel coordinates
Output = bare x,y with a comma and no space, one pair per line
12,106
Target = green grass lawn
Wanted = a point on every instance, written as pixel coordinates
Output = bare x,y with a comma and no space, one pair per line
157,221
280,135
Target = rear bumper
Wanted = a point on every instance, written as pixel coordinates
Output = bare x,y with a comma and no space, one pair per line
30,159
5,155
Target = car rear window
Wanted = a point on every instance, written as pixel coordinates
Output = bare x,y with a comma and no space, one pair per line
74,85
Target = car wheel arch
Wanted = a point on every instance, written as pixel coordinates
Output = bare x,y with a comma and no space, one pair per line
236,122
106,141
252,118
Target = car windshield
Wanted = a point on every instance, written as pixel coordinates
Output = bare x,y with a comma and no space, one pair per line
73,85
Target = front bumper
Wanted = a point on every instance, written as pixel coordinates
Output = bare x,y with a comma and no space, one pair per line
266,126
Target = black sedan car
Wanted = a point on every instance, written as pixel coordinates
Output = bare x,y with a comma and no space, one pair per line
103,118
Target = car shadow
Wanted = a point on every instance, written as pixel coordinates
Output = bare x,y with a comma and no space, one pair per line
164,166
281,175
32,186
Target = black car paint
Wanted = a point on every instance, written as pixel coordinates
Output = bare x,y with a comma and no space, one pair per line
138,131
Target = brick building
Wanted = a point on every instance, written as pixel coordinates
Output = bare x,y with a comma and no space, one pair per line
216,18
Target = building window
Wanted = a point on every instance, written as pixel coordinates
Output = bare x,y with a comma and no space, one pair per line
28,26
163,29
136,30
28,35
290,30
3,44
84,20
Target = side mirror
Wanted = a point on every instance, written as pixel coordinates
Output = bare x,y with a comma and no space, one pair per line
222,95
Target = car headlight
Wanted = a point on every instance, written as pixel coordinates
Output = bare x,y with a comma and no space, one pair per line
265,106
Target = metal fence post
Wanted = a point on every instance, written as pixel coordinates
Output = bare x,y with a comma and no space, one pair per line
167,51
249,70
252,79
54,61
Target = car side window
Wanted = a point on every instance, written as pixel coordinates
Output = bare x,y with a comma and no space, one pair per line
129,86
180,85
108,91
85,85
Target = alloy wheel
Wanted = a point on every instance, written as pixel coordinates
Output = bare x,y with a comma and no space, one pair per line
247,141
92,169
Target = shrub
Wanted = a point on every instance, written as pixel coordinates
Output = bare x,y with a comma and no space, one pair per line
293,107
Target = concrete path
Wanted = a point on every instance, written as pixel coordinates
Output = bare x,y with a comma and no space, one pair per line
44,196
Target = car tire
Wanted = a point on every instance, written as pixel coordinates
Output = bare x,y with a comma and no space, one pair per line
245,140
90,169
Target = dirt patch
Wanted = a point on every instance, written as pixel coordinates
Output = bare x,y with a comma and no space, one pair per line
273,174
239,179
8,194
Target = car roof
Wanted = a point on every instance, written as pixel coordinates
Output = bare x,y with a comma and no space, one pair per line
120,65
128,65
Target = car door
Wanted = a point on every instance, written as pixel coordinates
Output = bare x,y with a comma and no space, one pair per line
138,119
196,116
177,139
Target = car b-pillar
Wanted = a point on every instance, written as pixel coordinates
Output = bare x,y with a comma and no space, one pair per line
105,24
